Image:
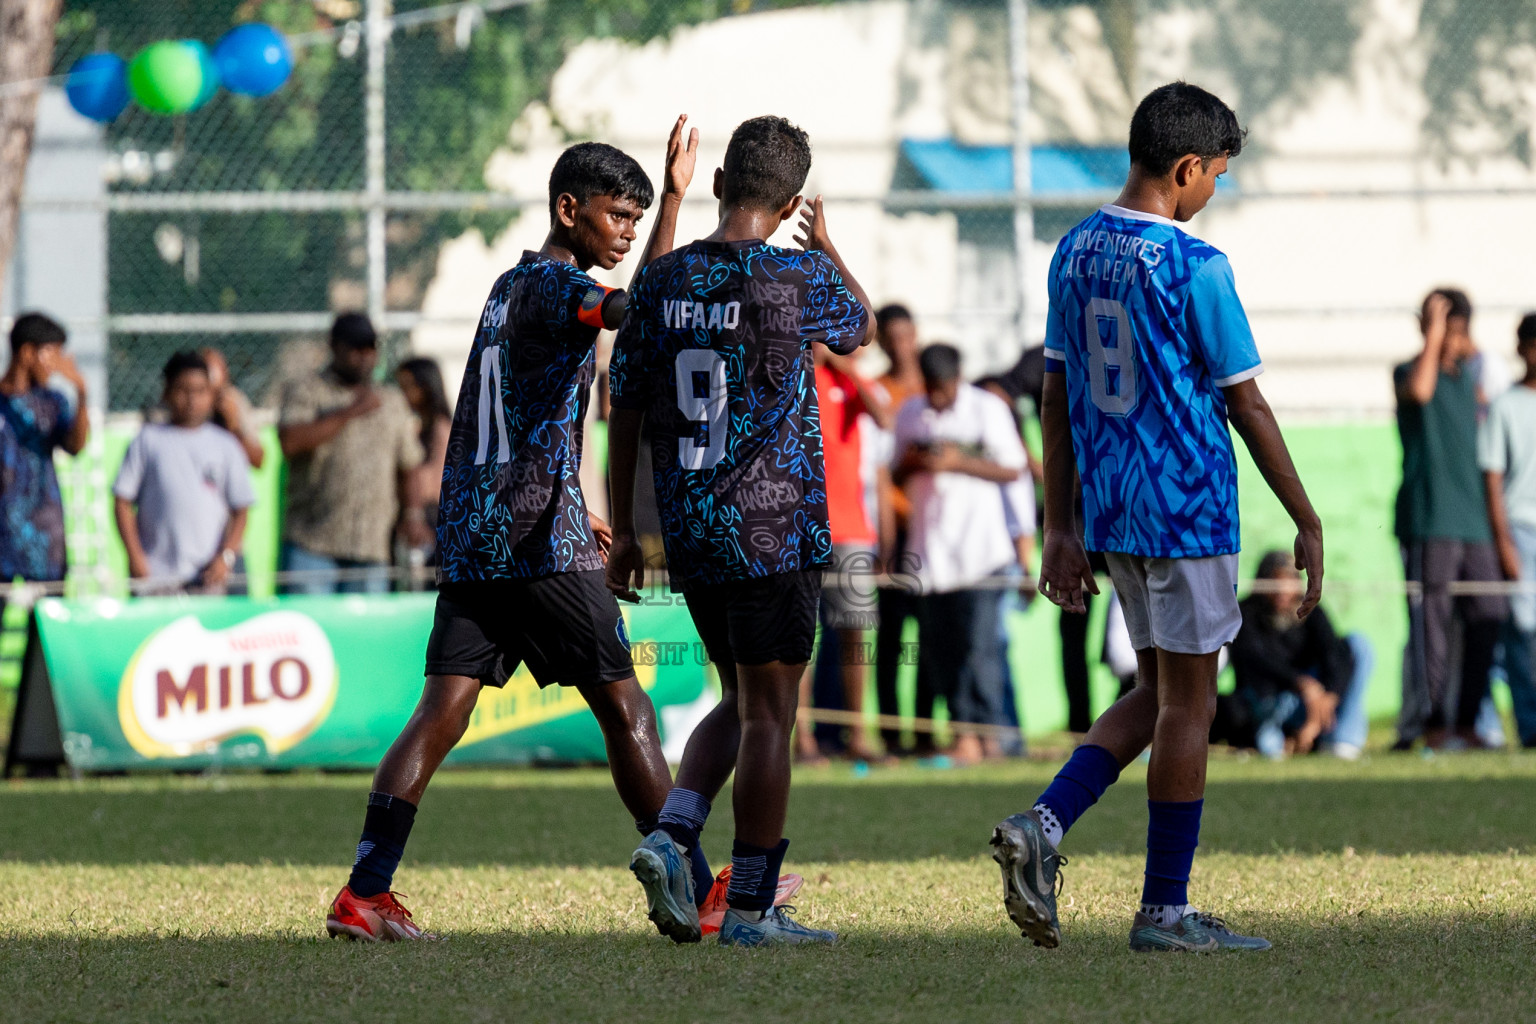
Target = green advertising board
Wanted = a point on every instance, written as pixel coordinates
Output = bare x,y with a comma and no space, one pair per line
191,683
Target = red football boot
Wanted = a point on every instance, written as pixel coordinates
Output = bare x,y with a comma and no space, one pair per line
712,910
378,918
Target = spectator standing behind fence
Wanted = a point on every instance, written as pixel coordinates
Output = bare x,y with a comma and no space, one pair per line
1442,524
351,446
897,603
231,408
34,421
421,381
1300,685
183,490
956,449
1506,451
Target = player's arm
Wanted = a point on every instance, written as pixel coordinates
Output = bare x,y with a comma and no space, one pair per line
628,395
1418,385
1255,423
813,235
679,172
626,564
1065,573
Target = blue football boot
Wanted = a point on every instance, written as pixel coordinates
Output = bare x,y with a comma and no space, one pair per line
776,928
668,879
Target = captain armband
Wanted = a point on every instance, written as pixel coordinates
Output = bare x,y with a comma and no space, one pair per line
595,303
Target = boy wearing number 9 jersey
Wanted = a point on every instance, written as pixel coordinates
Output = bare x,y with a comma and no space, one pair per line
715,351
521,558
1148,358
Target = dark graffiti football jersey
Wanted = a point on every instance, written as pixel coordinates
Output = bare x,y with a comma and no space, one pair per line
715,347
511,505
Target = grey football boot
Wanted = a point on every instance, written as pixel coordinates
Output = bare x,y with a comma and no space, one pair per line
1031,877
1197,933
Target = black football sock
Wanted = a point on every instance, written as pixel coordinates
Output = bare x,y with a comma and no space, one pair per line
385,829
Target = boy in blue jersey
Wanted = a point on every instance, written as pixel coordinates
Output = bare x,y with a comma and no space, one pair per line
1148,358
521,558
715,352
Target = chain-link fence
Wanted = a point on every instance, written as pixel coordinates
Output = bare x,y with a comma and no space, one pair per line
1390,145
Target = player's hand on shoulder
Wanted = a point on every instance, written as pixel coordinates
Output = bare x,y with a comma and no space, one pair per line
1065,574
626,562
681,158
813,227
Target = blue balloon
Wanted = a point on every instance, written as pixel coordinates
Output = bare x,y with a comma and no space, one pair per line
253,59
210,72
97,86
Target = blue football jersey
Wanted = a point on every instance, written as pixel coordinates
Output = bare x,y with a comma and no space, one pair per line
1146,324
511,505
715,347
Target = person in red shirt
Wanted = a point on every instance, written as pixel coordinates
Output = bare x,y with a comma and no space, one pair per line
848,593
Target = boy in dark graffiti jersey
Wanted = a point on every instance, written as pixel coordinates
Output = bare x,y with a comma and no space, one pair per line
521,558
715,351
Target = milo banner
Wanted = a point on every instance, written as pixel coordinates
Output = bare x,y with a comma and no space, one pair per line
298,681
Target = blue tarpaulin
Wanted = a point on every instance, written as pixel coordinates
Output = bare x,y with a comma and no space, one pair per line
947,166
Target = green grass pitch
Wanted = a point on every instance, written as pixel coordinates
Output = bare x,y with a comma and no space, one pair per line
1394,889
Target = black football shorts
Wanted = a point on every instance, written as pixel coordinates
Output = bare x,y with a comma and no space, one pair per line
755,621
566,628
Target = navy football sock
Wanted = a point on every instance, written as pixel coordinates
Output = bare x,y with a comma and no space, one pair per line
1082,780
645,826
754,875
703,878
683,816
1173,832
386,827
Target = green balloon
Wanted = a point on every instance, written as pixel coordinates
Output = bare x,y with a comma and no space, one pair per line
167,77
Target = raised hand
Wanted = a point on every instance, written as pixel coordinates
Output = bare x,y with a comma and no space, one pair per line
680,158
813,228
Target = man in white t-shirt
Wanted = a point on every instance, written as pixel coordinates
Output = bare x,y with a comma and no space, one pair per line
960,460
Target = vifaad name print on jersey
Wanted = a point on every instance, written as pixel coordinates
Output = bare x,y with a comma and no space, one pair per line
717,316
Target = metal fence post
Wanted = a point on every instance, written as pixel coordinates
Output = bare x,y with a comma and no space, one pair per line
378,38
1023,207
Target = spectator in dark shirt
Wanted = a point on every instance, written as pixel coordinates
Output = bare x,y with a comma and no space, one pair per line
1442,523
1300,686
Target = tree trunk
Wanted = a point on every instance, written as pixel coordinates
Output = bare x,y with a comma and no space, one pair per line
26,50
